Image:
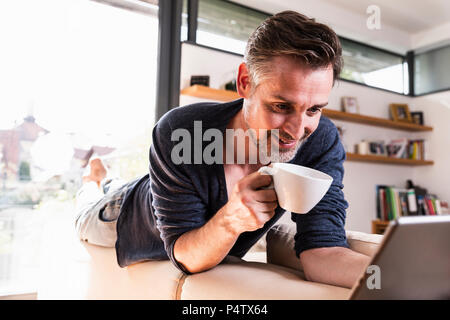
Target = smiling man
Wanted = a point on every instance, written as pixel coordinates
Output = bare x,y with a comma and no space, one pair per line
197,214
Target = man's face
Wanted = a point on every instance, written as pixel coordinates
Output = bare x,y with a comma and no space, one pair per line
289,99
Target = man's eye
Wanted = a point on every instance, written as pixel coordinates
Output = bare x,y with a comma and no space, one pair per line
282,107
314,110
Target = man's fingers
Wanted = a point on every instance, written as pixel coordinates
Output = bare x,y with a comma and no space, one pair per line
265,207
257,180
265,195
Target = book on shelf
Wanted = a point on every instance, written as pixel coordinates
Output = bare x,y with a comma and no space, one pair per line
393,202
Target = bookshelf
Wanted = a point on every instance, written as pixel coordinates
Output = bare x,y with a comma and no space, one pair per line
225,95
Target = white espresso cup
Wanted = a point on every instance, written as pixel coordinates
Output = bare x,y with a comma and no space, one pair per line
298,188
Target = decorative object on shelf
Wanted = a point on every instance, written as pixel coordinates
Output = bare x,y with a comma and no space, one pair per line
417,117
400,112
231,85
362,148
350,105
377,148
201,80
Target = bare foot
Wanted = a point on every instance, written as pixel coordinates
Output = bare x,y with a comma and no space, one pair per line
97,173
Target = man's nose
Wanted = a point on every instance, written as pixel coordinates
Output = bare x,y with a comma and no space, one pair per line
296,126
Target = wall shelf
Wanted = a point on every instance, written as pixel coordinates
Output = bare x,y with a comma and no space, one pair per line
373,121
210,93
387,160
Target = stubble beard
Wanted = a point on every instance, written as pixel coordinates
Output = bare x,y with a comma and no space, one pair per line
280,156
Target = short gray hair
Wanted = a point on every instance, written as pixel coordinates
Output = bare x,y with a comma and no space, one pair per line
292,34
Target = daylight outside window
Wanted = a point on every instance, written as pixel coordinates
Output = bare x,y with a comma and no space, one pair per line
374,67
225,25
78,81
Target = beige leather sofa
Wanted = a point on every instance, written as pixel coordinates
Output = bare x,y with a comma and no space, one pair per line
91,272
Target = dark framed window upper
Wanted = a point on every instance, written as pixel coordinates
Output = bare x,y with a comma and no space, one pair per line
374,67
225,26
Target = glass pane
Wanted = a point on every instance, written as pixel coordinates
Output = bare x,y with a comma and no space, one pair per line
373,67
429,74
72,89
184,21
225,25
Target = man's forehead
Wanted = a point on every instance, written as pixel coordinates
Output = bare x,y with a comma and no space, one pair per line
290,83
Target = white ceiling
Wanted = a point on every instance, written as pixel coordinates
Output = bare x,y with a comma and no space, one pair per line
411,16
405,24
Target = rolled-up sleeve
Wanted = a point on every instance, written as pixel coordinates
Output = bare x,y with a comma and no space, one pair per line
323,226
177,206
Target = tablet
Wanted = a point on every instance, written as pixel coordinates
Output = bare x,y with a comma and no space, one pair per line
412,262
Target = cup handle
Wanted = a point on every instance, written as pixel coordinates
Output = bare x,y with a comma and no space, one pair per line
266,170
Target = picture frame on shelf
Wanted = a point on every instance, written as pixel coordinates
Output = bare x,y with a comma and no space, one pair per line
202,80
417,117
350,104
397,148
377,148
400,112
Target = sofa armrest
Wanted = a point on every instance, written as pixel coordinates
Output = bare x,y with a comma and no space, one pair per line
280,245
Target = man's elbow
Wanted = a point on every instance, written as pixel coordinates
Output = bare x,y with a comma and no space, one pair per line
192,269
307,259
333,265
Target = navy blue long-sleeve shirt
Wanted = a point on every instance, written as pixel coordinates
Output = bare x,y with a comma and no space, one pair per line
175,198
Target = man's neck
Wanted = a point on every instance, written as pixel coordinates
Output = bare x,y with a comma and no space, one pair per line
236,123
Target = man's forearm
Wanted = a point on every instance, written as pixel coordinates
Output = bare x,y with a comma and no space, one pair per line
335,265
204,248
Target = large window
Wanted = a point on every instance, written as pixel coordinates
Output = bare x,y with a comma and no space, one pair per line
431,71
77,80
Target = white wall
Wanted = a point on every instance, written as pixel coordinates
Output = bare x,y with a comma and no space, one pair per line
360,178
436,178
195,60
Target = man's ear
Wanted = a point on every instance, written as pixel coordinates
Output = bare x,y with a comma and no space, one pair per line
243,83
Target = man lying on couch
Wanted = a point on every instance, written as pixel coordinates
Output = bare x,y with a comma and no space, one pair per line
195,214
